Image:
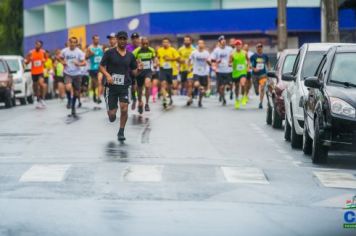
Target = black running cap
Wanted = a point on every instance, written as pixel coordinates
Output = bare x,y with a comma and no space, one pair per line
122,34
135,35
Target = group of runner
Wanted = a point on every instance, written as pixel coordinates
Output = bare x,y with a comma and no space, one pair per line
116,68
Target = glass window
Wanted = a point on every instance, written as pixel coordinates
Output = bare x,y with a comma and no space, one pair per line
288,64
311,63
343,70
2,68
13,64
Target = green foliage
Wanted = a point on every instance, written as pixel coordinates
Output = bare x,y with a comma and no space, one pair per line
11,26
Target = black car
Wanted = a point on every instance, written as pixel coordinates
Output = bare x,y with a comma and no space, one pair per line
329,109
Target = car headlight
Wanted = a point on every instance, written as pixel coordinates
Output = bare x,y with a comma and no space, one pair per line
18,80
3,83
340,107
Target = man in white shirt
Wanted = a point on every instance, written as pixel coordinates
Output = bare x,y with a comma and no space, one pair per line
220,57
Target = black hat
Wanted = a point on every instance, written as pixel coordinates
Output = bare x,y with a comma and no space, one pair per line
122,34
135,35
111,35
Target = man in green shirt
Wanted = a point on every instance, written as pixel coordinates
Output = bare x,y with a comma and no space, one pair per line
145,56
240,63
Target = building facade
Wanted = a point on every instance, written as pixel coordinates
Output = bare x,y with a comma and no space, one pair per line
53,21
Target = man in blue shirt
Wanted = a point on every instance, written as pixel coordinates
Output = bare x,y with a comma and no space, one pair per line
94,54
260,65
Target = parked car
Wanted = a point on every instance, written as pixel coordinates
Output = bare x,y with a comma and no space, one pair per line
275,86
22,78
306,63
7,92
330,107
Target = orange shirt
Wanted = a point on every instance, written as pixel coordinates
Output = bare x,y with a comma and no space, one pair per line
38,59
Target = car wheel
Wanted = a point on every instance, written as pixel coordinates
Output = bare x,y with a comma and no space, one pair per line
269,115
30,99
13,100
276,119
307,142
287,130
319,151
8,101
23,101
295,139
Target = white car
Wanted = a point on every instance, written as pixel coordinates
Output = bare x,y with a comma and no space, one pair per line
306,63
22,78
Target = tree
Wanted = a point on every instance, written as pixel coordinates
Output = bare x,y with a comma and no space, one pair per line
11,26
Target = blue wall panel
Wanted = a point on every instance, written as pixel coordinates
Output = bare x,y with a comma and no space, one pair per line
35,3
51,41
104,28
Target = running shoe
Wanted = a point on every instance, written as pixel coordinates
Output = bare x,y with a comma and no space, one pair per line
121,137
244,100
200,104
140,109
99,100
164,103
43,103
260,106
224,102
79,105
147,107
189,102
237,104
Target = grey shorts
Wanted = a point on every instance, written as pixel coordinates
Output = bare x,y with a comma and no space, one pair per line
75,80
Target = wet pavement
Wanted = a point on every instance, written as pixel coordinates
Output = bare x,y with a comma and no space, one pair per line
184,171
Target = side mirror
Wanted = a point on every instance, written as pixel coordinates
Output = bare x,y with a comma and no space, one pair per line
271,74
288,77
312,82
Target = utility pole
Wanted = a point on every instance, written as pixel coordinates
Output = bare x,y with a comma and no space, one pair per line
330,21
282,25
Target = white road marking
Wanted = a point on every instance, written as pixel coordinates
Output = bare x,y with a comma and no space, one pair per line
336,179
244,175
45,173
143,173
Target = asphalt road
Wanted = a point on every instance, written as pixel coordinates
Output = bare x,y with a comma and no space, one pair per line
185,171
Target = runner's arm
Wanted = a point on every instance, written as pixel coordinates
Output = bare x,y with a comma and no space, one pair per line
103,70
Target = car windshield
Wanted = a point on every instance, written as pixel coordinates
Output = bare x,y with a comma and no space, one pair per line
311,63
343,70
13,64
2,68
288,64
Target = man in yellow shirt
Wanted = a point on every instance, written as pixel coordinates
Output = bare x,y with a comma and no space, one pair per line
186,74
167,56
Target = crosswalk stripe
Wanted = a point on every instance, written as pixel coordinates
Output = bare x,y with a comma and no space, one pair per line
244,175
336,179
45,173
143,173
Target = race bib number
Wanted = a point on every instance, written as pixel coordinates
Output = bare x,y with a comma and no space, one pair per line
37,63
146,65
167,65
223,64
260,66
97,59
118,79
240,67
